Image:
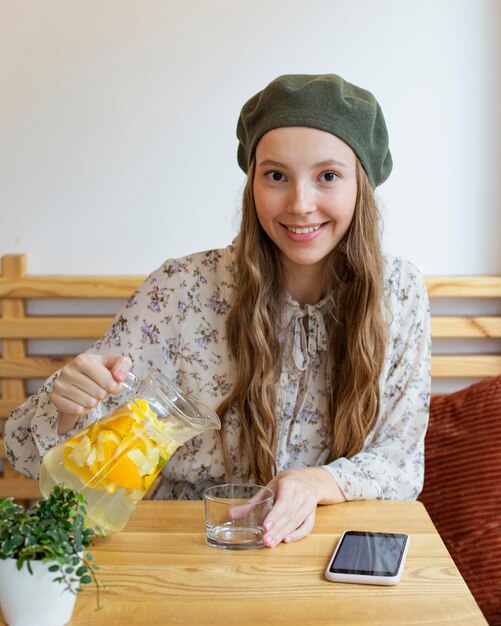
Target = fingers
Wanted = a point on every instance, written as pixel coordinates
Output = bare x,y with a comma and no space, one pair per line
86,380
119,366
293,514
242,510
304,529
75,392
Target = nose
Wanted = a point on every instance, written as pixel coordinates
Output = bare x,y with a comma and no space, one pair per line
300,201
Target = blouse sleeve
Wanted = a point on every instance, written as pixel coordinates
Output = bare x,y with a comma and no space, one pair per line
31,429
391,464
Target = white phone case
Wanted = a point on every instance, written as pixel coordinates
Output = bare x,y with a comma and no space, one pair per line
366,579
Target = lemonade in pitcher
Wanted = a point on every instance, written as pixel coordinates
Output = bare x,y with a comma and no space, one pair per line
114,461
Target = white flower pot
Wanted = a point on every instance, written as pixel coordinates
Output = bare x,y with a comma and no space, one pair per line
33,599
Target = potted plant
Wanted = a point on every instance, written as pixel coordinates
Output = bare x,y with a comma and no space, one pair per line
42,559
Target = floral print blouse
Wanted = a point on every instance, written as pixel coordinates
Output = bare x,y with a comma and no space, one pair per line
175,322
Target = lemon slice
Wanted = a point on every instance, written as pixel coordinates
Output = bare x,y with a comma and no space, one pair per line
81,451
126,449
107,444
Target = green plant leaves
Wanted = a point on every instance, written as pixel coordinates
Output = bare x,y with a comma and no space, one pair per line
51,530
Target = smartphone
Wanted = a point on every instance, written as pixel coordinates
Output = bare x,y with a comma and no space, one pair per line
368,558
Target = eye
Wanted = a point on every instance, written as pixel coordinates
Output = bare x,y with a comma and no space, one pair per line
275,176
328,177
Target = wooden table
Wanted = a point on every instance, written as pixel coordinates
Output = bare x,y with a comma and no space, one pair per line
160,570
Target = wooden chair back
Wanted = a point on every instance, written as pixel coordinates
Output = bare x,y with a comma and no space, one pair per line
17,327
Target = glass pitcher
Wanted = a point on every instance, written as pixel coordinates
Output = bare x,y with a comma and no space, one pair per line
114,461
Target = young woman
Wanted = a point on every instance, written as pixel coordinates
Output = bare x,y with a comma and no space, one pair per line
311,344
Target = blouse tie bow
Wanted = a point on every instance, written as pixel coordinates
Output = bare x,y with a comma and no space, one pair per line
310,336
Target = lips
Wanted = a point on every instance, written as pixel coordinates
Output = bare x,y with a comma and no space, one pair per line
303,233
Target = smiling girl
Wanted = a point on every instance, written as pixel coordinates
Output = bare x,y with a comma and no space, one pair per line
312,345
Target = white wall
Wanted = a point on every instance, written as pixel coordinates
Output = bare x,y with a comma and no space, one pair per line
117,122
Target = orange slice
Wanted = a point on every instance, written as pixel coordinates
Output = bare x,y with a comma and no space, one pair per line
141,409
125,473
148,480
121,425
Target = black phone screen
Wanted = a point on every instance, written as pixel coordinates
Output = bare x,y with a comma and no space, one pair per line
371,554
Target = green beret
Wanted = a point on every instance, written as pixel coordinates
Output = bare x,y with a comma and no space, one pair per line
326,102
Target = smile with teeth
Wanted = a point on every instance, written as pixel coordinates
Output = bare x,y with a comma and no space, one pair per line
302,231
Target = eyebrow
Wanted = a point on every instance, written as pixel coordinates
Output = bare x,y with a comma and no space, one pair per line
325,163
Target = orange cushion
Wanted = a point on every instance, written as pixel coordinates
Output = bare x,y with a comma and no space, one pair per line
462,488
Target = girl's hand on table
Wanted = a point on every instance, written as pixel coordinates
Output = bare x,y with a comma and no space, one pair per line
298,491
83,382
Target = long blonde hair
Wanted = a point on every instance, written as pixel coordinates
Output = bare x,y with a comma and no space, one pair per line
355,326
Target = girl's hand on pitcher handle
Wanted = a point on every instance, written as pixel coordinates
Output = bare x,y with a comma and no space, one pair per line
83,382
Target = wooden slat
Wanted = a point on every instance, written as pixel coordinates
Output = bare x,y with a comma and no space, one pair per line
442,365
13,266
93,327
30,367
458,366
123,286
465,327
69,286
21,488
55,327
463,286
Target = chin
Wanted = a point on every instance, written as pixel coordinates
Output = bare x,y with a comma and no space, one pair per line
306,261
